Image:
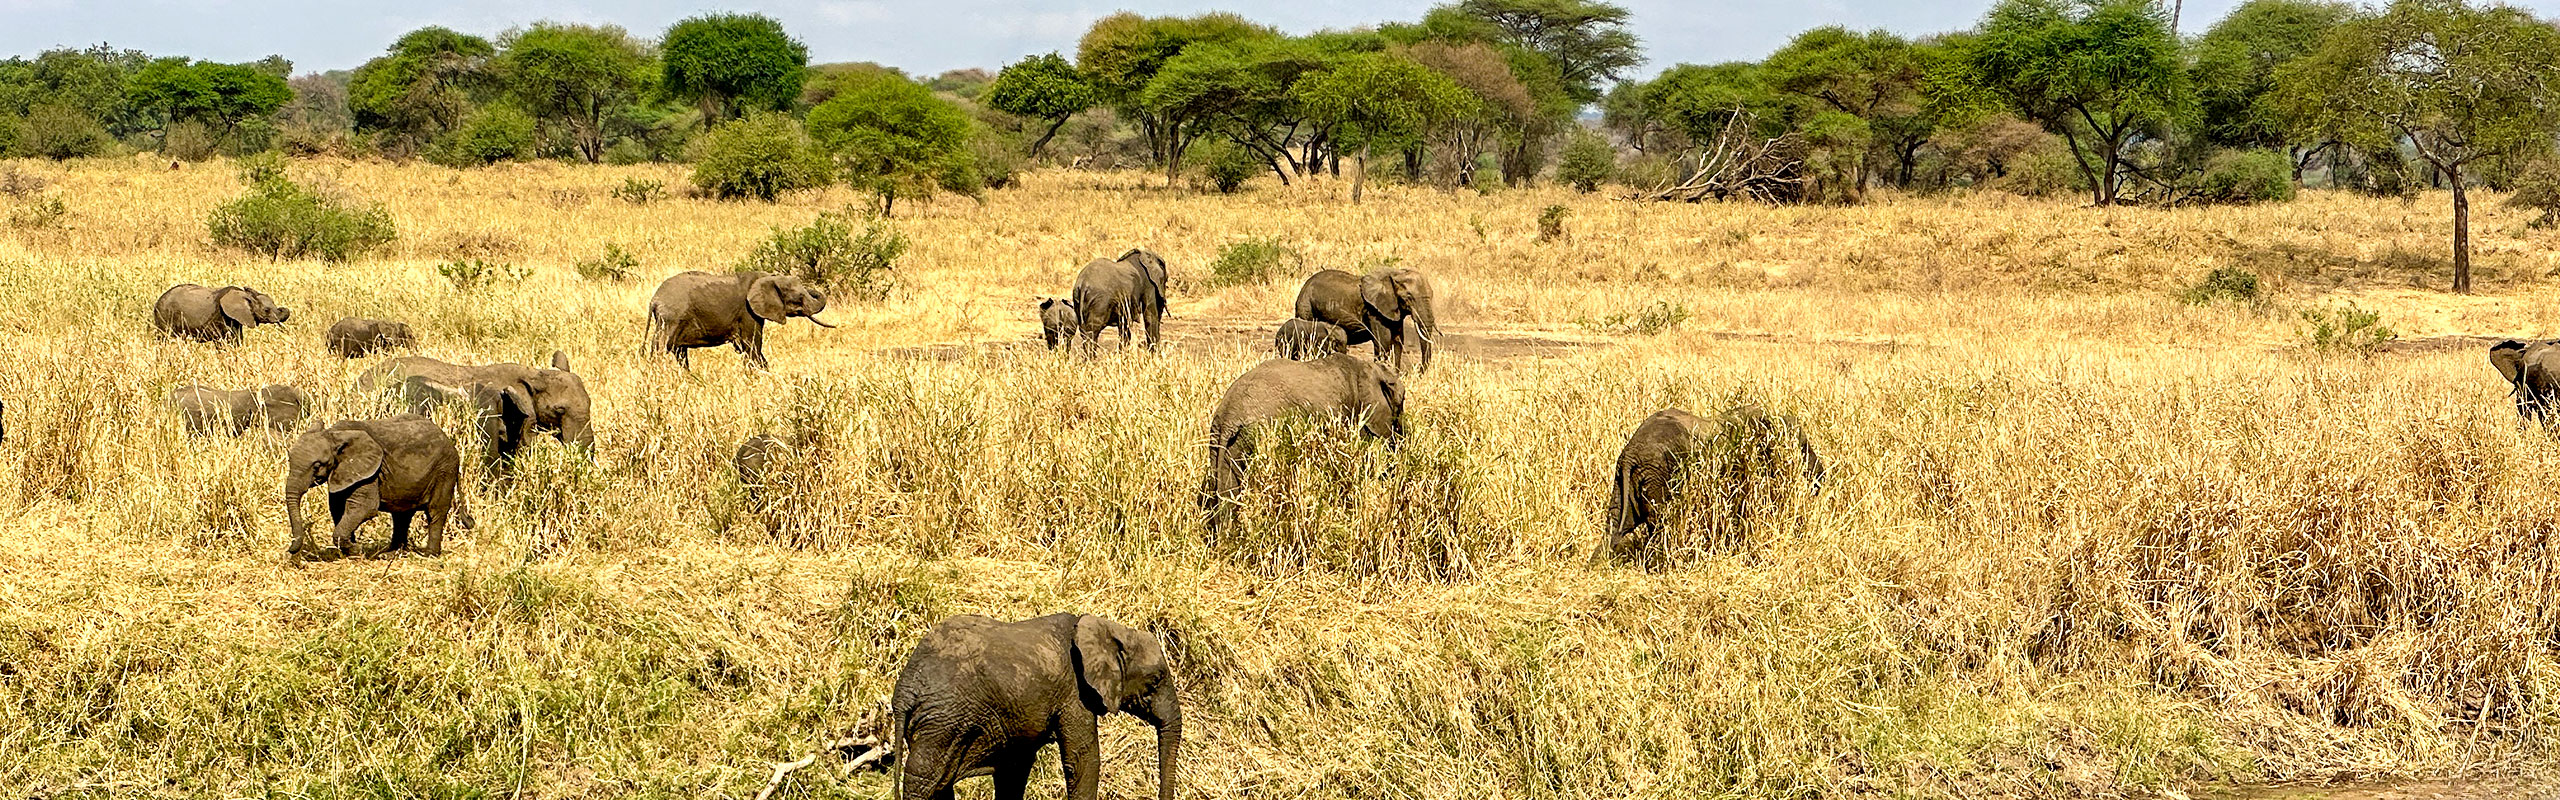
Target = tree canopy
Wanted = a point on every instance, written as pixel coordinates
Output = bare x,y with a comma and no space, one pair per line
2101,73
1043,87
895,138
576,76
732,64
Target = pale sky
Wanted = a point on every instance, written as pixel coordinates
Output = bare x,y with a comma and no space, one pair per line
923,37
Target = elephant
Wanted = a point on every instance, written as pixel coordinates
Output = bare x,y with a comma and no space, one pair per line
1307,340
1122,292
709,309
2532,370
1340,386
1058,322
1673,447
979,694
1373,308
556,399
357,337
502,412
204,314
401,465
210,411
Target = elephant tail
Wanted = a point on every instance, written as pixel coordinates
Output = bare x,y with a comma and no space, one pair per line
462,513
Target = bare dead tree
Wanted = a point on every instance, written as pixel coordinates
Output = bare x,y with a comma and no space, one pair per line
1737,163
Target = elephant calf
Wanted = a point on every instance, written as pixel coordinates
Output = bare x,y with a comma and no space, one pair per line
978,694
1338,386
399,465
357,337
1057,322
515,401
2532,370
1308,340
206,314
210,411
1674,455
709,309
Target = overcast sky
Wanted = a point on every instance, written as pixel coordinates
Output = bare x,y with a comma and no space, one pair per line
923,37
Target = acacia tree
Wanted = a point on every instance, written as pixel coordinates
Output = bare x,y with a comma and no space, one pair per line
895,138
1875,77
2457,83
1378,99
2235,67
731,64
1498,106
1121,55
2102,73
1042,87
422,87
580,77
219,95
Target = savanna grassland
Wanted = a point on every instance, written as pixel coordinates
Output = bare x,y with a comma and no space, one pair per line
2081,538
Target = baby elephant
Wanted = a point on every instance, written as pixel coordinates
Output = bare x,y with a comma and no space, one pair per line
357,337
401,465
211,411
206,314
1057,322
978,694
1734,466
1308,340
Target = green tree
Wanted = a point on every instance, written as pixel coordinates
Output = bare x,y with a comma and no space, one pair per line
1379,100
1040,87
422,88
2102,73
895,138
579,77
732,64
1587,42
1875,77
1122,53
219,95
1499,107
1699,101
2235,66
764,156
2457,83
1239,90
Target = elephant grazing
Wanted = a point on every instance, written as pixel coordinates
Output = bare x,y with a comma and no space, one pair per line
2532,370
205,314
982,694
1338,386
1308,340
401,465
1373,308
1674,454
210,411
357,337
1058,322
502,412
709,309
553,400
1123,293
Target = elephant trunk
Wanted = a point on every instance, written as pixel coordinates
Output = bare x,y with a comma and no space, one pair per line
296,484
1426,328
578,432
1168,746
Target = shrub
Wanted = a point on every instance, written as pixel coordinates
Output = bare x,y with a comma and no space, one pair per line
1652,320
471,273
61,132
640,192
280,219
1226,168
190,141
2346,330
494,133
1551,223
615,265
764,157
2538,189
830,253
39,214
13,132
1587,161
18,183
2224,283
2247,177
996,159
1253,261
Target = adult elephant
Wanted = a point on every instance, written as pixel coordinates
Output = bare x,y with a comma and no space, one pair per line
1671,450
357,337
1373,308
214,314
398,465
1120,292
208,411
978,694
2532,370
1339,386
709,309
557,398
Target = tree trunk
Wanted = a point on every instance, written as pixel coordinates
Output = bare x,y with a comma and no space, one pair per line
1061,122
2461,231
1360,174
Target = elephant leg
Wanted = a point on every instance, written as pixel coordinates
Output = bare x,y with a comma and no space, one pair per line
682,360
752,347
1013,772
350,510
399,534
1080,754
439,511
1155,327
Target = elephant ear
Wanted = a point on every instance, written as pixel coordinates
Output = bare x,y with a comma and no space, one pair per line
504,413
359,457
235,305
2508,357
1102,660
560,360
1378,290
764,299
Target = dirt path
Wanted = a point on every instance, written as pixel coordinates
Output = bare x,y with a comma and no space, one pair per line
2452,789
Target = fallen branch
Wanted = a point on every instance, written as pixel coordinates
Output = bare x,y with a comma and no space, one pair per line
874,751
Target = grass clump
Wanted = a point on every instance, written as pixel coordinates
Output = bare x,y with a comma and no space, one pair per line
281,219
1551,223
831,252
44,213
473,274
1253,260
640,191
2224,283
2345,330
616,265
1652,320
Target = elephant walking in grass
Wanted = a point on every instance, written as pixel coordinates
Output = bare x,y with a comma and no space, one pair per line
356,337
1123,292
1373,308
207,412
1734,466
1339,386
553,400
978,694
400,465
2532,370
709,309
210,314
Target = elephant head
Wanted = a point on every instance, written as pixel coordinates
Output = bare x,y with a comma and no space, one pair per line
245,307
560,399
1395,293
778,298
339,456
1124,669
1057,321
502,413
280,406
1384,420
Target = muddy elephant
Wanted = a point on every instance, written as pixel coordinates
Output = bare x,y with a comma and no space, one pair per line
982,695
2532,370
1373,308
556,398
1340,387
1676,455
357,337
399,465
1121,292
208,412
709,309
214,314
1308,340
1058,322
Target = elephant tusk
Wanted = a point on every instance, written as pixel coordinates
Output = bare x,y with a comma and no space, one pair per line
820,323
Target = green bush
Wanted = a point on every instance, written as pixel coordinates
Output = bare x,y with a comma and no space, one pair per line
832,254
44,213
494,133
61,132
13,132
640,192
2247,177
1253,261
471,273
1588,161
1227,167
280,219
2345,330
1551,223
615,265
2538,189
2224,283
764,156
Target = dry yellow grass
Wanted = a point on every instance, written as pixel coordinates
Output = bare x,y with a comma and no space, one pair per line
2080,539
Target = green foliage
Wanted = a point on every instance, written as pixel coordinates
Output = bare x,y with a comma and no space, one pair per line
2345,330
41,213
2538,189
1255,260
1588,161
61,132
1551,223
616,265
496,132
2224,283
1227,167
422,88
1043,87
579,77
220,96
1586,43
1700,100
896,139
1877,78
640,191
831,253
2248,177
472,274
1379,99
733,64
764,157
281,219
1653,320
13,132
2105,73
2236,61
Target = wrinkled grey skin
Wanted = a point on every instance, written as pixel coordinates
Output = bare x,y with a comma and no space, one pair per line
207,412
1058,322
558,397
1373,308
755,462
1338,386
1662,448
709,309
210,314
1308,340
502,412
2532,370
398,465
357,337
1122,292
982,694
